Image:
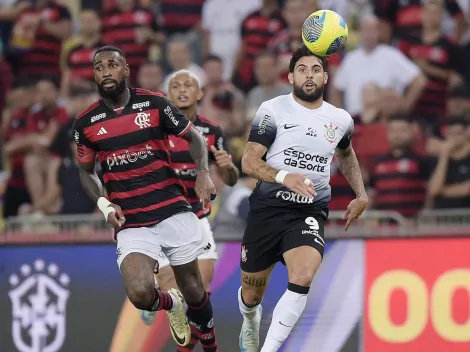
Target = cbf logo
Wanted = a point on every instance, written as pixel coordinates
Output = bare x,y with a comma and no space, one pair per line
39,299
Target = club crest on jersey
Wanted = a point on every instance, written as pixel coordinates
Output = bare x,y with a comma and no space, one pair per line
330,133
142,120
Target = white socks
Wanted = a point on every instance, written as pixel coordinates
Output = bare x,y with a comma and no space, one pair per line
285,316
248,313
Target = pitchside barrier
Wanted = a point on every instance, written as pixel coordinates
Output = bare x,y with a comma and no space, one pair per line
389,284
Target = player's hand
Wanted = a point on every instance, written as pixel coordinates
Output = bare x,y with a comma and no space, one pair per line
300,184
116,217
354,210
204,188
222,158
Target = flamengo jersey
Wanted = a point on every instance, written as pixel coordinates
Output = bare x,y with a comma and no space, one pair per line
184,165
133,150
301,141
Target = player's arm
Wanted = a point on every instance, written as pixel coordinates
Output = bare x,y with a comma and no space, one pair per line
221,157
349,165
262,135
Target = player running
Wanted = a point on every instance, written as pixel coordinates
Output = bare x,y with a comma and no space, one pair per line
127,129
185,92
292,142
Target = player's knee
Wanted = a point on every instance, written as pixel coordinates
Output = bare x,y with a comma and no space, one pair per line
140,295
252,295
302,276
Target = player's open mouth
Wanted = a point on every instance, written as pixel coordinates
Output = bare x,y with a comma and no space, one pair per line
310,85
109,84
183,99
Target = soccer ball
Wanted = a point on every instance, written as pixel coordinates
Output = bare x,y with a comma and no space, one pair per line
324,32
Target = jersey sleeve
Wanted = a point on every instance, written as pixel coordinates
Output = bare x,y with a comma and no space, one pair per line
172,120
263,127
345,142
85,150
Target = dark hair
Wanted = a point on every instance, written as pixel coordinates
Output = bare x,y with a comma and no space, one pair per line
304,51
213,57
401,116
55,81
455,120
111,49
23,82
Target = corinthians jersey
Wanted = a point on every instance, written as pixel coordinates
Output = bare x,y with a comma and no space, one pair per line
301,141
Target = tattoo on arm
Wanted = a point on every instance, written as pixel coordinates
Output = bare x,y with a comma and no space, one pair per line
198,149
90,181
255,281
254,166
349,167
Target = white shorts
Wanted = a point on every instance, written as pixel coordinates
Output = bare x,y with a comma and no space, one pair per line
208,254
180,238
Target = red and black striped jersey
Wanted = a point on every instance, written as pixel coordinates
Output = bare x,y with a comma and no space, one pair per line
184,165
79,61
442,54
44,55
256,32
17,128
400,182
180,16
405,16
134,152
119,29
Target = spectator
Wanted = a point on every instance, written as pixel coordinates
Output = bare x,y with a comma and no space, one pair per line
62,173
221,21
371,101
179,58
284,44
150,77
341,192
270,83
17,143
37,37
398,178
437,57
133,29
402,19
79,57
180,17
375,63
450,182
45,122
222,103
257,29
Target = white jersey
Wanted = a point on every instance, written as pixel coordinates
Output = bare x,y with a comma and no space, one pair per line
301,141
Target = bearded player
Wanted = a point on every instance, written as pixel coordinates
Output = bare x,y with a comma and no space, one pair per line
127,129
185,92
292,142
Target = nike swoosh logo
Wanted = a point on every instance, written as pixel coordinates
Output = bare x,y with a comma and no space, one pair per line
318,241
286,127
179,340
284,324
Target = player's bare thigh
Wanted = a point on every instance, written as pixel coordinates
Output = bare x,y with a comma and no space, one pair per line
302,264
166,277
137,275
254,285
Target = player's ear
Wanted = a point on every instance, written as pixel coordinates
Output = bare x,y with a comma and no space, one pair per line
325,77
290,76
200,94
127,71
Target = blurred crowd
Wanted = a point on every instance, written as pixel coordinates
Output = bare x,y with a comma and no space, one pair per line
404,77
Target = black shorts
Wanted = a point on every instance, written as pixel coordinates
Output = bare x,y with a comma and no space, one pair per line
13,198
270,233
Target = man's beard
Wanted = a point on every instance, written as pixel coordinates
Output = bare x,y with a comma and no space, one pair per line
112,94
308,97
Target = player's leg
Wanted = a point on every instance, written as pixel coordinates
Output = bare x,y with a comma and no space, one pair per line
137,255
184,241
302,252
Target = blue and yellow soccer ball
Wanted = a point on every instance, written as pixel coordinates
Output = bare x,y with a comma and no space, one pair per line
324,32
